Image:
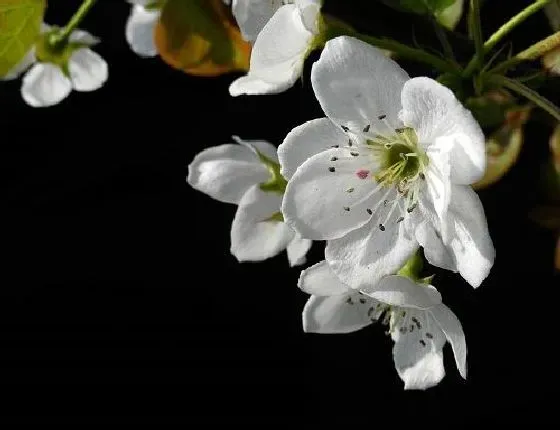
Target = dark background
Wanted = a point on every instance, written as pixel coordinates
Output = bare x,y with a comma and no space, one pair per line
118,293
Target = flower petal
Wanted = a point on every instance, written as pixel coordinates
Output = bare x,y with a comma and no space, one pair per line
325,199
437,180
297,249
279,51
343,313
451,327
26,62
140,31
253,86
254,236
319,280
434,112
356,83
226,172
434,250
400,291
365,255
467,237
417,353
306,140
45,85
252,15
265,148
88,71
82,36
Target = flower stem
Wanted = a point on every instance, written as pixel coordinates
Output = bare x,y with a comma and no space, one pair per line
335,27
66,31
476,29
443,39
526,92
503,31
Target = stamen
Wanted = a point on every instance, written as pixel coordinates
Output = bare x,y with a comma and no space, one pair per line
346,208
429,335
422,342
334,158
366,128
331,169
344,128
350,190
381,117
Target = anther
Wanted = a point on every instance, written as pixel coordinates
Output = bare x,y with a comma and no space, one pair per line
411,328
381,117
381,227
331,169
369,211
399,130
366,128
429,335
415,321
346,208
402,330
362,300
422,342
370,311
350,190
349,142
422,176
349,301
344,128
334,158
400,219
354,154
335,146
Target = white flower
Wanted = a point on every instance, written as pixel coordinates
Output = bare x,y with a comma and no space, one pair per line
419,323
233,173
281,46
386,171
140,27
50,79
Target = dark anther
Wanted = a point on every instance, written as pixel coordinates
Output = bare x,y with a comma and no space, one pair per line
362,300
422,176
401,219
366,128
350,190
381,227
422,342
335,146
349,142
370,311
381,117
429,335
331,169
354,154
346,208
369,211
349,301
415,321
399,130
334,158
344,128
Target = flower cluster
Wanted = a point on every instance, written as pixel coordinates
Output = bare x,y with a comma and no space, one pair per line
386,178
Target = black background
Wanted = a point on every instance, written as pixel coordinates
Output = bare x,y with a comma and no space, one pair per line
118,293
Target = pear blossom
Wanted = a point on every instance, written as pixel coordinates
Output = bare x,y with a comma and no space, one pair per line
283,34
419,323
140,27
51,76
388,170
239,174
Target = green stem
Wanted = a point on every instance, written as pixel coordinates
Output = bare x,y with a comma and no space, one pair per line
66,31
444,40
476,28
503,31
405,51
526,92
334,28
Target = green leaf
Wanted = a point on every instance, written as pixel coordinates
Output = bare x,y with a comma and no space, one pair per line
552,11
20,24
450,16
421,7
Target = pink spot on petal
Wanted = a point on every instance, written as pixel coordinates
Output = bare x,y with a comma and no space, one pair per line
362,174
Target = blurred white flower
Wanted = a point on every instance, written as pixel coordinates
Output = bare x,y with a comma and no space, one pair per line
140,26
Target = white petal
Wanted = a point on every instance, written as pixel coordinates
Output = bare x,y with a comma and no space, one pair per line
434,249
418,358
140,31
88,71
252,15
319,280
317,203
82,36
309,10
335,314
356,83
468,238
437,180
451,327
397,290
259,146
45,85
279,51
306,140
254,237
297,249
365,255
226,172
434,112
21,67
253,86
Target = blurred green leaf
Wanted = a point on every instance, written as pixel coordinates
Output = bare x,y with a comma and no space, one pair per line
490,109
200,38
552,11
20,24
